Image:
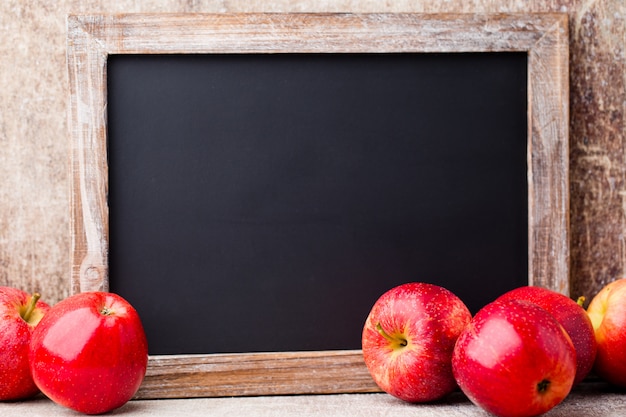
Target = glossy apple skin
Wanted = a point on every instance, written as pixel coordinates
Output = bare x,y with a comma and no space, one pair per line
430,319
607,311
16,382
89,353
504,354
571,316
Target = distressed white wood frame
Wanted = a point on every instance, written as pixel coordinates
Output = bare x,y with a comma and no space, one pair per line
91,39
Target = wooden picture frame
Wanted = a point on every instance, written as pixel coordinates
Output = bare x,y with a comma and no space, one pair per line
91,39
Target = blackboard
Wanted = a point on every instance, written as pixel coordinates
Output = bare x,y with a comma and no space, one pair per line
346,204
277,196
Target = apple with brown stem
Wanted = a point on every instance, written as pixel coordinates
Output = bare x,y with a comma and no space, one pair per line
89,352
408,340
571,315
20,313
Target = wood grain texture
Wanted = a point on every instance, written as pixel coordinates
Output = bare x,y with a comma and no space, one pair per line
92,38
598,126
243,374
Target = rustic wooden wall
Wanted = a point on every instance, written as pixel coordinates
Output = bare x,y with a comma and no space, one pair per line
34,214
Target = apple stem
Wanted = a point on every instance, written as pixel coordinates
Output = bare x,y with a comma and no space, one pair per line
581,300
32,303
399,340
106,311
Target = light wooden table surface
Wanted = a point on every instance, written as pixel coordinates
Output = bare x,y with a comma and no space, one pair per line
590,399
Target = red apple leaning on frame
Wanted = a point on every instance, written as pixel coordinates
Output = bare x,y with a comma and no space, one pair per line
89,352
408,340
19,315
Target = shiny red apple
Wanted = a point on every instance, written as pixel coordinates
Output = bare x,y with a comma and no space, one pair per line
571,316
607,311
408,339
19,314
89,352
514,360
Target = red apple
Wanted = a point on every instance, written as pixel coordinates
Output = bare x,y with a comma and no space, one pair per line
408,339
571,316
19,314
514,360
89,352
607,311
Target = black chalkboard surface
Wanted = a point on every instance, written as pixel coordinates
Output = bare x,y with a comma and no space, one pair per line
262,202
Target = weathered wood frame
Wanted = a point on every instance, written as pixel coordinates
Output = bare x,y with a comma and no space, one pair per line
91,39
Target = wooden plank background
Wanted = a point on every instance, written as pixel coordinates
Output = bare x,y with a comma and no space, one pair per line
34,140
